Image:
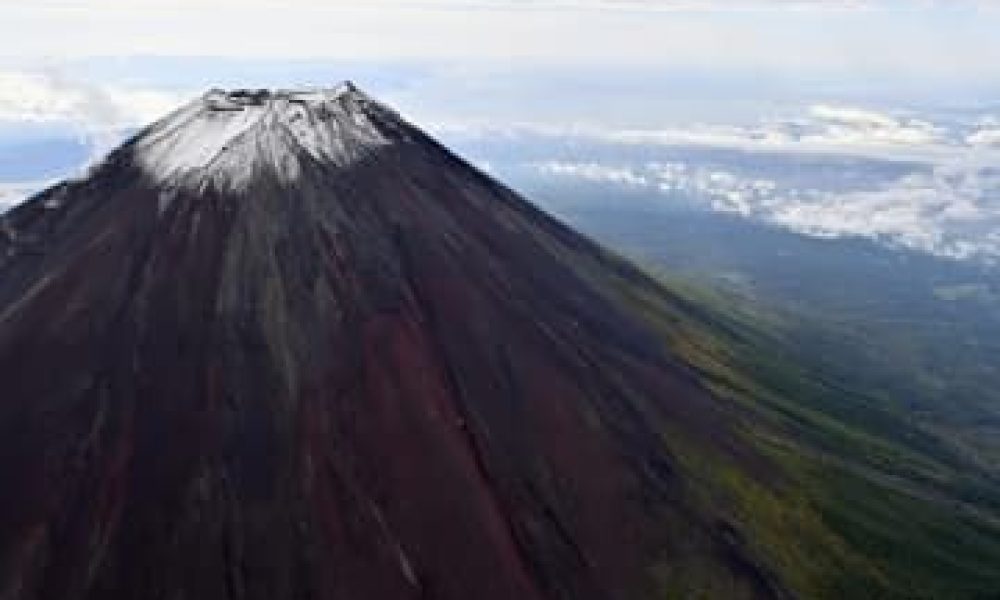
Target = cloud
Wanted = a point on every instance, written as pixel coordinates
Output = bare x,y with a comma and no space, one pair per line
594,172
860,37
13,193
97,113
855,117
984,137
818,129
946,212
50,97
850,125
949,209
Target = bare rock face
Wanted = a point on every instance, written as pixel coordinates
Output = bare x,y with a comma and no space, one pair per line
282,345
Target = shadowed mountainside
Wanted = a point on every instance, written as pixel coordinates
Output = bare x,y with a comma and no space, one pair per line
283,345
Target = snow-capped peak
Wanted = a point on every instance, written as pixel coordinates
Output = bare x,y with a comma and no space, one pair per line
227,138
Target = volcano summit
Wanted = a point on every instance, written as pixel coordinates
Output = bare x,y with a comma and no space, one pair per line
282,345
229,139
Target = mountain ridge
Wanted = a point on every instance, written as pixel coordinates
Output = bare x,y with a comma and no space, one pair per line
387,376
321,339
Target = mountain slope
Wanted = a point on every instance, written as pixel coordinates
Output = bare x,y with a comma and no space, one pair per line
283,345
899,511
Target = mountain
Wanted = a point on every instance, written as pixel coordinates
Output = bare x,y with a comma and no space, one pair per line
282,344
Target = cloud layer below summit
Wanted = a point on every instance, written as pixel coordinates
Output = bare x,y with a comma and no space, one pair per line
905,181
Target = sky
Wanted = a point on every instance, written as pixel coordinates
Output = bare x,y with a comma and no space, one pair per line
610,60
944,38
906,80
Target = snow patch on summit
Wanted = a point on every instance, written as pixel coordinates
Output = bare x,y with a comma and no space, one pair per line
228,139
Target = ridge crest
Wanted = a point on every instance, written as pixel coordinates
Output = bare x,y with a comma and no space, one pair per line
231,138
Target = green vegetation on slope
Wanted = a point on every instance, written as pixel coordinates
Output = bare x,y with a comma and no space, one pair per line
871,504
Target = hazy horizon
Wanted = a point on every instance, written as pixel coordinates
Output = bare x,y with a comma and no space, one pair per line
915,83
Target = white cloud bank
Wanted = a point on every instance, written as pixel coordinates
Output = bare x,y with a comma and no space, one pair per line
946,202
594,172
842,125
13,193
98,114
951,213
949,210
821,129
50,97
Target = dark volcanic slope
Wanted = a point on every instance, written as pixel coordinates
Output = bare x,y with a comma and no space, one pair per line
282,345
375,374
